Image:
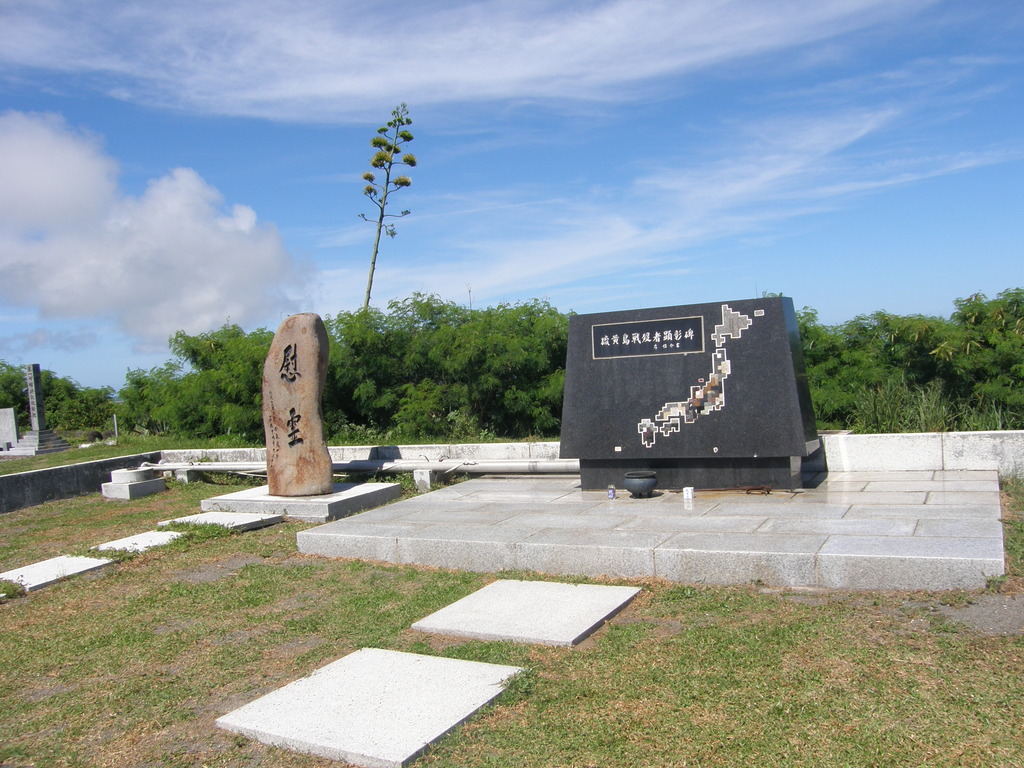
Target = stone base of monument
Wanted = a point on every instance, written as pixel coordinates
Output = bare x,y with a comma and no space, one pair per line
782,472
347,499
38,442
132,484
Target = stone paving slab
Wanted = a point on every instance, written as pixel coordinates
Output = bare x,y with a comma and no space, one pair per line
374,708
140,542
236,521
347,499
44,573
905,534
542,612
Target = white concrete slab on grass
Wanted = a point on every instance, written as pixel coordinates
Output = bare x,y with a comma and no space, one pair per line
347,499
543,612
133,490
374,708
236,521
140,542
56,568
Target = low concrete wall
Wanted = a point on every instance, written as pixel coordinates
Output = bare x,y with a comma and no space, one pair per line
926,451
463,451
933,451
27,489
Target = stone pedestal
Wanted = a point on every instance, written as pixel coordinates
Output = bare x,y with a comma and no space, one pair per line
132,484
298,463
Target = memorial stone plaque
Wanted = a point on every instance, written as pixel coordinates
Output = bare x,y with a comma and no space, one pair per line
707,395
34,383
298,463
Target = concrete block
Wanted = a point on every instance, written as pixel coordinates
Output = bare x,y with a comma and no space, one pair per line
1001,450
134,490
347,499
866,453
363,541
939,485
690,566
482,548
589,521
431,514
731,558
142,541
9,434
951,498
424,479
372,708
916,562
867,526
925,511
182,456
960,529
693,524
44,573
540,612
818,509
618,554
131,475
236,521
188,475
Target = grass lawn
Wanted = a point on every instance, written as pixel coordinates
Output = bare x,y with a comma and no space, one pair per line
130,666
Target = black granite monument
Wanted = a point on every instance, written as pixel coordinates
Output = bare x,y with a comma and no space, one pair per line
707,395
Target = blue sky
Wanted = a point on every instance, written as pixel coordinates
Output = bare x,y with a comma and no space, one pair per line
179,165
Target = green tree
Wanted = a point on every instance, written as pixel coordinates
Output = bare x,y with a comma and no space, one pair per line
214,386
67,405
430,369
387,143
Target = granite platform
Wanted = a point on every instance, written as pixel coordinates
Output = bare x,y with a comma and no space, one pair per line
901,530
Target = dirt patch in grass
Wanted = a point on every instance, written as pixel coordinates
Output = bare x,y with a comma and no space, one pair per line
217,570
998,614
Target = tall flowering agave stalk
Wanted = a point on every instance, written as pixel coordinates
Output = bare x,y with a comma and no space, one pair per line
387,143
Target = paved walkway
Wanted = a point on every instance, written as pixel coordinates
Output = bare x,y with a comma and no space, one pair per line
857,530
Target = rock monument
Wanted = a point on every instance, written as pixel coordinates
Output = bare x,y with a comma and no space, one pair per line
39,439
298,463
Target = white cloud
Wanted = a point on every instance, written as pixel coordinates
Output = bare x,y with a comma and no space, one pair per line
171,259
50,176
38,338
294,60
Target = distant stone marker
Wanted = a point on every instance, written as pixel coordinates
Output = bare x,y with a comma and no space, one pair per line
298,463
39,439
8,429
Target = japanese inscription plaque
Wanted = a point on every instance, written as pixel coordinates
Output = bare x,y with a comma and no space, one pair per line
708,395
298,463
